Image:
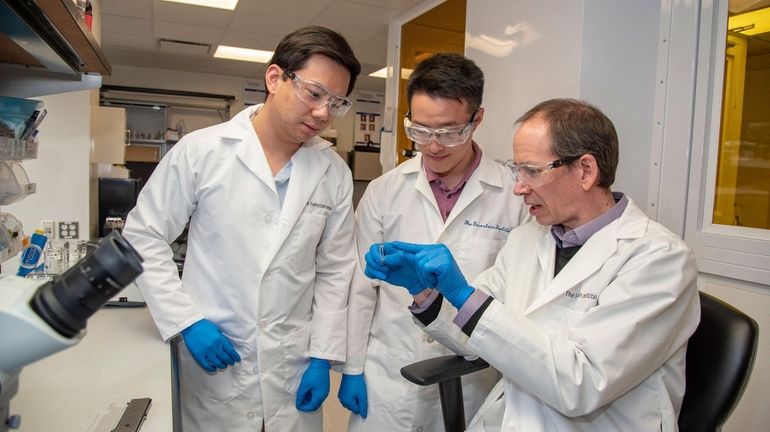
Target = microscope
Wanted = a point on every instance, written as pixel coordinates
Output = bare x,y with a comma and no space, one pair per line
41,317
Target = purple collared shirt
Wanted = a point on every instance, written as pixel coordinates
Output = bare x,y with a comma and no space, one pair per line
446,198
576,237
581,234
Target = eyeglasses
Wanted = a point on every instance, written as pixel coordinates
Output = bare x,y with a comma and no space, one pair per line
315,95
447,137
537,175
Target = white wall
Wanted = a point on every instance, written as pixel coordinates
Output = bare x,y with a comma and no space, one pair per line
61,170
529,52
606,52
603,51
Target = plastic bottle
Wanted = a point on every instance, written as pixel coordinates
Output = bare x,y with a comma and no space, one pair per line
32,253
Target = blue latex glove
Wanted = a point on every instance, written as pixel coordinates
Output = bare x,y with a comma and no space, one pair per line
208,346
438,268
395,267
352,394
314,385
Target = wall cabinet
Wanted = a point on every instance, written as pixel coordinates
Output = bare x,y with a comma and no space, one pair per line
108,125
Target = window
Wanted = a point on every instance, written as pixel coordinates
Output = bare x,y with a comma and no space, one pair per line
728,200
742,193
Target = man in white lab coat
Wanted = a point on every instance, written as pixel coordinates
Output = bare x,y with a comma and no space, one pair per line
586,313
451,193
270,247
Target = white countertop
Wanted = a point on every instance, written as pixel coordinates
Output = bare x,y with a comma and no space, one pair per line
122,357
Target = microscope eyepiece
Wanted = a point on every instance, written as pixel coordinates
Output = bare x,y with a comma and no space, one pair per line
66,302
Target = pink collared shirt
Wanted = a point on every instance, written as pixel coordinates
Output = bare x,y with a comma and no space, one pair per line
446,198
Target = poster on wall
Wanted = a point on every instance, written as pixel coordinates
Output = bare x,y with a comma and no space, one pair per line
369,118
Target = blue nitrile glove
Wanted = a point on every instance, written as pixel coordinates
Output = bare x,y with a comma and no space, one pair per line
208,346
314,385
352,394
438,268
395,267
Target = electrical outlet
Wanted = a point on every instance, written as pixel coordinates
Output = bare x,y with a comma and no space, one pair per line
68,230
48,227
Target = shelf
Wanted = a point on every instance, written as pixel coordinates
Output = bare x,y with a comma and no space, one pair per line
16,149
46,48
145,141
57,26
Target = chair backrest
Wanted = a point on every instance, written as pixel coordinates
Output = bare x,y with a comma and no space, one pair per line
720,355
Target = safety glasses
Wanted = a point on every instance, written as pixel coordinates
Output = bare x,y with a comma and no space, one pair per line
537,175
315,95
447,137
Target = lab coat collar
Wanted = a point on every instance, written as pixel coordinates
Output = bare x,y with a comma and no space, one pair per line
594,253
486,173
413,167
249,149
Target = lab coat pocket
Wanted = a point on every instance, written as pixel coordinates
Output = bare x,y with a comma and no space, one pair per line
303,240
220,386
294,363
478,254
387,388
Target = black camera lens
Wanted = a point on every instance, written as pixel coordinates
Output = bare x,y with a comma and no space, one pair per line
66,302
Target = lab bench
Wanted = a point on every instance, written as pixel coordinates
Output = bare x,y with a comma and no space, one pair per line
121,358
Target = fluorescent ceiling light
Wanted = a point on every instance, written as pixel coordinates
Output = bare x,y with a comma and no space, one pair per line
243,54
219,4
383,73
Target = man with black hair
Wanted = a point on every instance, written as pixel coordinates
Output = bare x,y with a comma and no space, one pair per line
451,193
270,247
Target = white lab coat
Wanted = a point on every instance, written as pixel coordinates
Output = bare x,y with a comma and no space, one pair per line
275,280
400,205
599,347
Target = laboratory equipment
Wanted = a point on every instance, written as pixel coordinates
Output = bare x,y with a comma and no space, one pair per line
117,196
14,183
41,317
11,235
55,257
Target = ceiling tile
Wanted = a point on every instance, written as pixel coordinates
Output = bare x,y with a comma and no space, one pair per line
112,39
250,40
185,32
133,8
378,41
189,14
356,15
402,5
297,9
132,28
128,25
263,24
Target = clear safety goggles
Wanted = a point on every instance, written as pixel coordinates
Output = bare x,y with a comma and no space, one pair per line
315,95
537,175
447,137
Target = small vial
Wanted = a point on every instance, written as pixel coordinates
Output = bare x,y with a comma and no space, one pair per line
382,252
